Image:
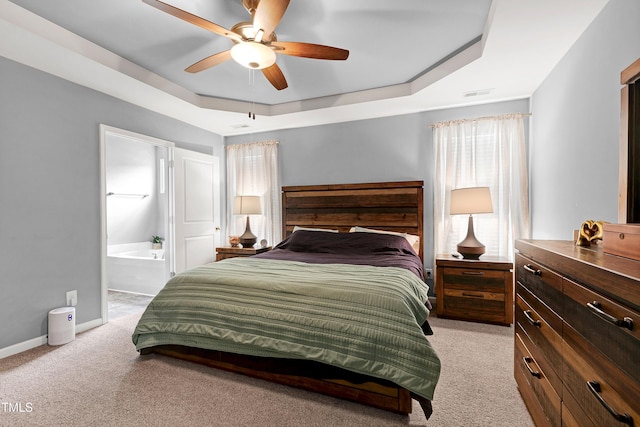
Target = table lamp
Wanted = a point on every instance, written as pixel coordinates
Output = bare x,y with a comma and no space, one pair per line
473,200
247,205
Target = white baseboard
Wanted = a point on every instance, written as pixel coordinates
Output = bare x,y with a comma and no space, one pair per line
42,340
22,346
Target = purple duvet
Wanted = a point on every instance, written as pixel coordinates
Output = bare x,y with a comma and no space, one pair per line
320,247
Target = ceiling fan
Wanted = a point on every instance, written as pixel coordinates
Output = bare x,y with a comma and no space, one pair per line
255,42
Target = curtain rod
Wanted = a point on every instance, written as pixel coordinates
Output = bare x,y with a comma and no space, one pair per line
477,119
269,142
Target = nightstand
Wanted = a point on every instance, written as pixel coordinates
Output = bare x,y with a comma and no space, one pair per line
475,290
231,252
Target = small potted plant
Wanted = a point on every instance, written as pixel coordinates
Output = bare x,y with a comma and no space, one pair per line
156,242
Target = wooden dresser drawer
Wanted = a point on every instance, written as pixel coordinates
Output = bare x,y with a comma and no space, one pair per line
541,281
574,417
539,395
597,392
547,342
612,328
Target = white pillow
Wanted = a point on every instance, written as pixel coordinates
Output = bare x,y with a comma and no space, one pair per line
413,240
296,228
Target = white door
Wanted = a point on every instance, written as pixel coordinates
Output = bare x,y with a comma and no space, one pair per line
197,208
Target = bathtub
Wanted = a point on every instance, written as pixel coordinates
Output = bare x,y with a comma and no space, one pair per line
135,267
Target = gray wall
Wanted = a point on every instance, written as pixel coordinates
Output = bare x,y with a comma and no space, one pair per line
49,192
576,123
398,148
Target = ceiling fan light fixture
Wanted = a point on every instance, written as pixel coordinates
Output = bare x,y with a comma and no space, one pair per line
253,55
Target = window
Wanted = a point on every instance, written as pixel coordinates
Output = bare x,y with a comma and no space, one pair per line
486,152
252,170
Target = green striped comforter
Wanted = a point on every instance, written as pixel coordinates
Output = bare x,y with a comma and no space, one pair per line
364,319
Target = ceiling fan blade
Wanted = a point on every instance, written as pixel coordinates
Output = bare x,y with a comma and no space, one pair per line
210,61
275,76
268,15
193,19
310,50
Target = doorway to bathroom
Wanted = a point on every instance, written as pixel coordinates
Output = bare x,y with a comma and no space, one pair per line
137,214
153,191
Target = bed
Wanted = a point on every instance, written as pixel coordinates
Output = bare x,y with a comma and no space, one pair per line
317,312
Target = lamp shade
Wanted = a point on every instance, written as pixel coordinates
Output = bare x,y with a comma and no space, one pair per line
472,200
253,55
247,205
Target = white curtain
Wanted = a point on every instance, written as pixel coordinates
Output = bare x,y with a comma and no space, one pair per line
486,152
252,170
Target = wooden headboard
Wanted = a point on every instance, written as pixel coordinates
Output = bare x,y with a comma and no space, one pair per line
391,206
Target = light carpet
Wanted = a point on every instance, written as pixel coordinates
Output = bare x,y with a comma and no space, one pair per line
100,380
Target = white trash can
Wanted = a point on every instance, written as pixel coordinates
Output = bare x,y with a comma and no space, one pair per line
62,325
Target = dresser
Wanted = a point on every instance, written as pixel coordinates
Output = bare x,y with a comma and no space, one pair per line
577,334
475,290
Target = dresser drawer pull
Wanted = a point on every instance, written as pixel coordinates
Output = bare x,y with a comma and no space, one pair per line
594,387
533,373
530,319
472,295
596,307
473,273
532,270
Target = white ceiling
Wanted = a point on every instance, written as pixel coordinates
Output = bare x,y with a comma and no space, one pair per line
405,56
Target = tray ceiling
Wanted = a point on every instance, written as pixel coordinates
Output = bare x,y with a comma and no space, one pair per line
405,56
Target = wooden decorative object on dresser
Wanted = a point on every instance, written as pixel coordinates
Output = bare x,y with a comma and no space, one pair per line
232,252
476,290
577,334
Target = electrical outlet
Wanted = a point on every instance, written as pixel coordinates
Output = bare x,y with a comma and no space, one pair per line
428,273
72,298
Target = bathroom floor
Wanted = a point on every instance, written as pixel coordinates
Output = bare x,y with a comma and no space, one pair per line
125,303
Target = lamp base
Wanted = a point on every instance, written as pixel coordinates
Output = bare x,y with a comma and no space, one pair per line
248,239
470,252
470,247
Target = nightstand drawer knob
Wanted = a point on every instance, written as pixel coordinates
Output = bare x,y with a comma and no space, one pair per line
472,295
473,273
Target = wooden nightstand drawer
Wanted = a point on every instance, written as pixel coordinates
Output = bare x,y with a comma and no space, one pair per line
475,279
474,305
